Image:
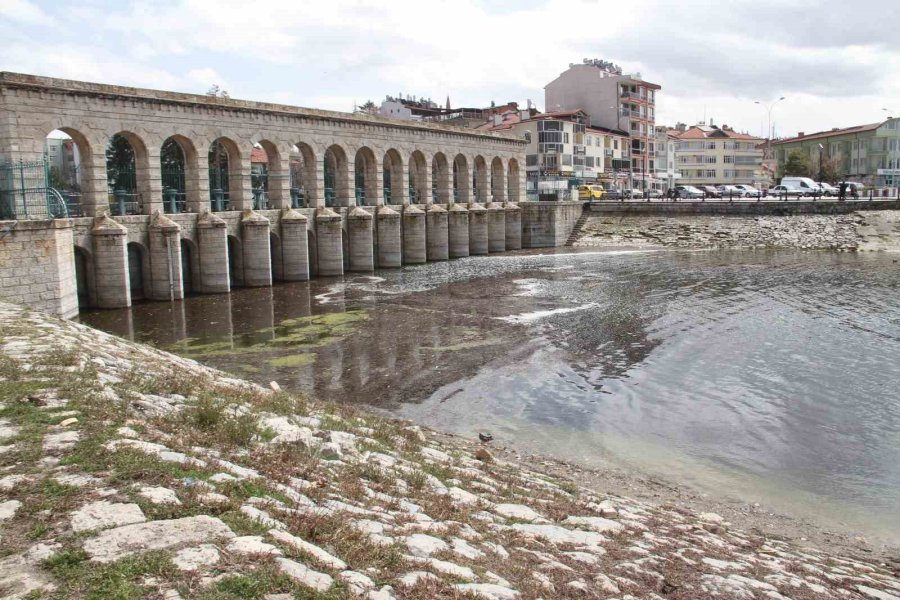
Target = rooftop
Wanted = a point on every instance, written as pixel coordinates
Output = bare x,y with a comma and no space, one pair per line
831,133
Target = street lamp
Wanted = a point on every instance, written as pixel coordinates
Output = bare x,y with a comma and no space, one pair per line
769,108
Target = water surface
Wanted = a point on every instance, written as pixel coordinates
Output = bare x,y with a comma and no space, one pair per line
766,376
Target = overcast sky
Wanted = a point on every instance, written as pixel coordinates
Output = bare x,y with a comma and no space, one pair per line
836,62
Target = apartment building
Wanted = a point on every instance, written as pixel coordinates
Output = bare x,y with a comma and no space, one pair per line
664,172
713,155
869,154
564,150
613,100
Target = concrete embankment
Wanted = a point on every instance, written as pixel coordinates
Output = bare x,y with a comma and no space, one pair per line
128,472
869,230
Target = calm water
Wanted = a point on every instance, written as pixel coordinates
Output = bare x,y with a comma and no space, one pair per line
766,376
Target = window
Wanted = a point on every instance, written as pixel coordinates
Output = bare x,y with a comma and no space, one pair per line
566,138
550,126
531,160
711,173
589,161
551,161
728,160
567,160
616,144
550,137
710,145
587,140
710,160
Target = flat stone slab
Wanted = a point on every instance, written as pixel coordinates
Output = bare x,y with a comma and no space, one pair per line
518,511
489,591
113,544
304,575
196,558
423,545
159,495
18,578
250,545
560,535
57,442
598,524
102,514
8,509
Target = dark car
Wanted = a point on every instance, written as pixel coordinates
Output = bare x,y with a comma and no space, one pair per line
710,191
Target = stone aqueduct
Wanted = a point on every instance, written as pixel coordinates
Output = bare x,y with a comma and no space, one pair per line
467,190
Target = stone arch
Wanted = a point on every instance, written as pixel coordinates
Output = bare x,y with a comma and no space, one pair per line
498,182
84,276
480,179
302,175
418,191
190,266
266,177
461,181
440,180
337,186
277,257
128,174
365,168
138,271
392,177
512,181
224,161
180,175
235,262
81,180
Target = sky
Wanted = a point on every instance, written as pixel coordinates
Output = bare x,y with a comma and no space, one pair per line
836,63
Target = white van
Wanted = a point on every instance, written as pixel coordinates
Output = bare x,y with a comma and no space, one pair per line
804,185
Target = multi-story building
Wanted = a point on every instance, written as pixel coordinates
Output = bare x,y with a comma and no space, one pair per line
664,172
712,155
424,109
565,150
613,100
869,154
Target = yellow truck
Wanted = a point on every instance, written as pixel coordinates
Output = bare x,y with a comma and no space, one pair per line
590,193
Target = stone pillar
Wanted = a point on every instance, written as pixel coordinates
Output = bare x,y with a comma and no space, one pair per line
329,249
240,188
280,180
478,229
257,252
111,279
388,225
94,190
294,246
212,248
414,231
165,259
436,232
458,231
149,181
513,226
315,194
496,217
360,233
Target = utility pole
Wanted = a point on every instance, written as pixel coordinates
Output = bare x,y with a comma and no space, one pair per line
769,108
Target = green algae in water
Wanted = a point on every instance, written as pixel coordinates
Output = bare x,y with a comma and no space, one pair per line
314,331
292,360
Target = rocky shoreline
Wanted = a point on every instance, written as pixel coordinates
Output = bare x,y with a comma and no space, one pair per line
872,230
128,472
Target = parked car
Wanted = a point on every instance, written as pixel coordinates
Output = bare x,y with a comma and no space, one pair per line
710,191
654,193
731,191
590,193
613,194
749,189
805,185
634,193
689,192
827,189
855,189
783,190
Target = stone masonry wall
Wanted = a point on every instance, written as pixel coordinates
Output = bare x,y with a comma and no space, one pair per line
36,266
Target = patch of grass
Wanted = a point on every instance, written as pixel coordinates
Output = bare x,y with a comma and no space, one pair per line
293,360
211,417
241,524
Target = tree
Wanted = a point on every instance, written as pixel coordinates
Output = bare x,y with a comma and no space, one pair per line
829,170
797,164
369,108
217,92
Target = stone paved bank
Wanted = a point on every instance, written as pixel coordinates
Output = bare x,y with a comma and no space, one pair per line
126,472
871,230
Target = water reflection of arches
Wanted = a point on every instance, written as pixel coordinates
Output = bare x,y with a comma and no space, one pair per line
235,262
84,277
138,270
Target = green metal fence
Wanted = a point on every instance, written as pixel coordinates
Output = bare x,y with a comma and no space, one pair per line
124,198
173,185
25,192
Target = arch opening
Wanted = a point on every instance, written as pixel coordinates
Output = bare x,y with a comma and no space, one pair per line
189,267
480,180
174,177
418,193
392,177
460,178
512,181
67,164
235,262
335,176
83,278
265,175
302,166
223,157
122,175
497,182
136,270
365,177
440,191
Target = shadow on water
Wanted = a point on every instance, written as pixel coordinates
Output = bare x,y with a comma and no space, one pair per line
772,375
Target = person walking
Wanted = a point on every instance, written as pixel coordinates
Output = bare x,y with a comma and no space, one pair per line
842,191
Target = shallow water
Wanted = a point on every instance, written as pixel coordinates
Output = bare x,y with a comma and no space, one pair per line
766,376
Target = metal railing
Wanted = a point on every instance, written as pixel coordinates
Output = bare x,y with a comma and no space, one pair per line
25,192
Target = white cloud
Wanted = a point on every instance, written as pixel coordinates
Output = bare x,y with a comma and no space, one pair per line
23,11
832,59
